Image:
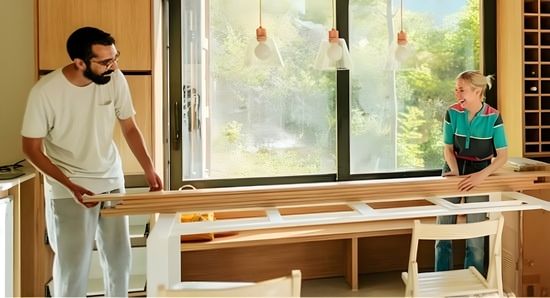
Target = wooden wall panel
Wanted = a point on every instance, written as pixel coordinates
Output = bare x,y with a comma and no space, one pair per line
129,21
315,259
509,72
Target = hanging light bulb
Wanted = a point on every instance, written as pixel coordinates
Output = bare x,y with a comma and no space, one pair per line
263,50
333,53
403,51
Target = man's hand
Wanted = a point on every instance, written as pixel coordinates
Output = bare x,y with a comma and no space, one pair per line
154,181
78,192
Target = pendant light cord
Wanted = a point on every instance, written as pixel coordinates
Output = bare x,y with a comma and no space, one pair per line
260,13
401,13
333,14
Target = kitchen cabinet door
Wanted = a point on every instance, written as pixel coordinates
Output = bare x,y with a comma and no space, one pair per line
129,21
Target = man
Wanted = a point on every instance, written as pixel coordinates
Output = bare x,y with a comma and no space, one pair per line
67,134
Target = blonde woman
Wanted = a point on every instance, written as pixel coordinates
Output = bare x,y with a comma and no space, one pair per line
475,147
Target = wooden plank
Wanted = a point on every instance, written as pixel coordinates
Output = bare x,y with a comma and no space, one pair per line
257,197
305,234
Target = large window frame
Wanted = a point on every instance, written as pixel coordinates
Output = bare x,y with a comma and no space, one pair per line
343,84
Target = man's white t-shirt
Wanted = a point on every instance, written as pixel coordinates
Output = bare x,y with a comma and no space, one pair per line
76,124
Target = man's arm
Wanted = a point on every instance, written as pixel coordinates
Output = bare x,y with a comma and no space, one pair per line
133,137
32,148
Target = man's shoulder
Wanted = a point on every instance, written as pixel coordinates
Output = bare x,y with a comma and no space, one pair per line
52,78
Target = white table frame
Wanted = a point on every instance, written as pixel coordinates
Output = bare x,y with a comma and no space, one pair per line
163,243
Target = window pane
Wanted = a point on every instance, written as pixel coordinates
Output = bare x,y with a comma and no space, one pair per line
397,108
257,120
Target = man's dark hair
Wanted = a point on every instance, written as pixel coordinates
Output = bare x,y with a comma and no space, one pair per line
79,44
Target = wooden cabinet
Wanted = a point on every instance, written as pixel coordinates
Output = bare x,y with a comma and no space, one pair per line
140,87
535,275
32,257
129,21
536,78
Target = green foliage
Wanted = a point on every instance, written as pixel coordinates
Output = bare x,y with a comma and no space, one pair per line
442,53
293,98
233,131
411,138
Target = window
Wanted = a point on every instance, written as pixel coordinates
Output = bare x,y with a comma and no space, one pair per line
236,124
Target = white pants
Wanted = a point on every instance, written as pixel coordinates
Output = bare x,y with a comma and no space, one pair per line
72,229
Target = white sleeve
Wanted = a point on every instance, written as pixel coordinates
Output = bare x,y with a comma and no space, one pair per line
124,108
36,120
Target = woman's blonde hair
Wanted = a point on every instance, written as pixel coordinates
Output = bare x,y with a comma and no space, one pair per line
477,80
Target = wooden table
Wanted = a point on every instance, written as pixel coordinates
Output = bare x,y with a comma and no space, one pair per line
163,244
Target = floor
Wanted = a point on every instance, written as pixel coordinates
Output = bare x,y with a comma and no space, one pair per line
387,284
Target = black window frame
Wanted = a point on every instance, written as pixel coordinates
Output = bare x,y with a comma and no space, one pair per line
488,65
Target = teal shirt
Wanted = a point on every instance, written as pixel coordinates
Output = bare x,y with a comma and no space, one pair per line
477,139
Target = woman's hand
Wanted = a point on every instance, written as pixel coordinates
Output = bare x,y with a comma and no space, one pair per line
471,181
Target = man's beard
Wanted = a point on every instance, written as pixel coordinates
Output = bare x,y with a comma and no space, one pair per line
100,79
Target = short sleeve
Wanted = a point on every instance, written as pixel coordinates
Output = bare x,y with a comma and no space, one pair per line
448,130
124,108
36,120
499,135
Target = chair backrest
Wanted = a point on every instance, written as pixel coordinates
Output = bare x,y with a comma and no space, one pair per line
286,286
429,231
493,228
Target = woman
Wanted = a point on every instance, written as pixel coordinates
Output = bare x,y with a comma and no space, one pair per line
475,147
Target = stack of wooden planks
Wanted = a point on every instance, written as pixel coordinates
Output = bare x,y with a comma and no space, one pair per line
314,194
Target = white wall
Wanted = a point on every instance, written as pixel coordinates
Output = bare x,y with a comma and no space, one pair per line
17,75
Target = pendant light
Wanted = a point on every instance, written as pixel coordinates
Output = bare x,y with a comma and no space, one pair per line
333,53
403,50
263,50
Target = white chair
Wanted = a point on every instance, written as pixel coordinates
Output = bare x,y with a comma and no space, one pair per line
462,282
286,286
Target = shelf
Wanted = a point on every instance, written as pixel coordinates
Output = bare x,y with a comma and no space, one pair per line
536,78
532,54
531,87
530,6
531,38
531,22
532,136
536,154
544,87
531,103
531,70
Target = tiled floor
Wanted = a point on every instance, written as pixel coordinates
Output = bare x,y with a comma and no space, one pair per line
387,284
